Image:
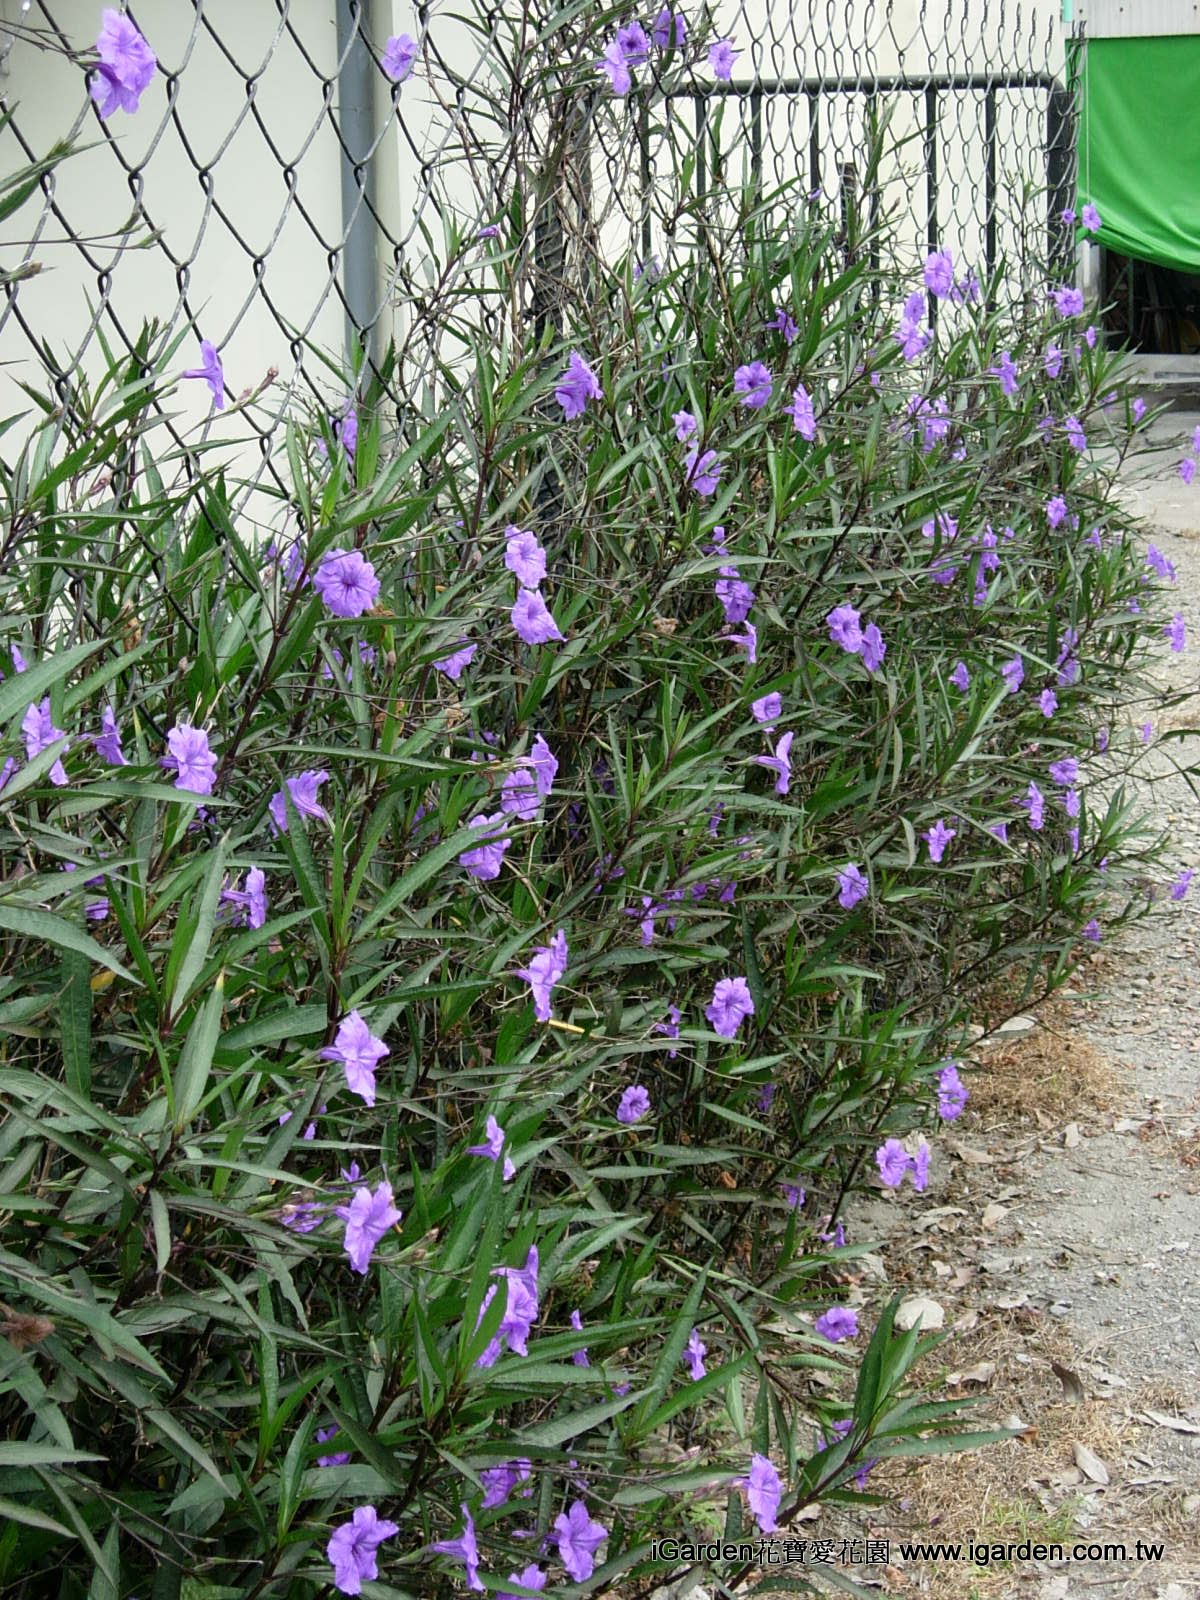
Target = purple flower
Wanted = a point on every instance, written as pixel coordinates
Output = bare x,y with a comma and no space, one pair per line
685,425
1138,409
40,732
763,1492
211,371
1053,360
493,1148
1035,803
547,967
635,1104
893,1162
1147,731
845,629
532,620
518,797
694,1354
1187,469
578,1536
1064,772
485,860
1157,562
576,387
730,1004
939,273
464,1549
340,1458
747,641
1068,302
960,677
912,337
670,28
453,664
804,418
499,1483
1007,372
1048,701
1013,673
952,1094
937,838
351,1550
346,582
359,1052
1000,829
766,1098
127,65
767,708
753,383
703,471
303,790
779,763
793,1193
524,556
836,1324
852,887
1180,887
783,322
368,1218
253,897
195,764
302,1216
1071,803
1092,931
580,1356
1176,632
310,1132
631,37
398,56
920,1168
721,57
735,596
670,1027
873,648
1067,217
1090,218
532,1578
520,1309
1076,437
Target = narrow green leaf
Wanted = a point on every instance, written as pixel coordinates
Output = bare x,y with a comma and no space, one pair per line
64,935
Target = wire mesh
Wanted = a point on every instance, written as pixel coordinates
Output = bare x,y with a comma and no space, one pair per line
278,195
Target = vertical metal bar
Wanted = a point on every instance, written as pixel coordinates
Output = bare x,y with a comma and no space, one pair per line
756,142
701,104
356,127
643,127
989,135
1060,168
931,187
814,140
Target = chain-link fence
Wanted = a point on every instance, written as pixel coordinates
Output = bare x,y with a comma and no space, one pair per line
278,195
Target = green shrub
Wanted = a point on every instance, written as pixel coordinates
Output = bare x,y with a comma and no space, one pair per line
182,1316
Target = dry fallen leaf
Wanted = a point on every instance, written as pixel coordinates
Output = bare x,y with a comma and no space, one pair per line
917,1308
1090,1464
981,1372
993,1215
1071,1135
1176,1424
1072,1386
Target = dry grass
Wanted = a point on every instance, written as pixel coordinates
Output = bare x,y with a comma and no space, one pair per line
1054,1072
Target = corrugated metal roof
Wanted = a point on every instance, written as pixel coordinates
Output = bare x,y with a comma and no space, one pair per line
1137,19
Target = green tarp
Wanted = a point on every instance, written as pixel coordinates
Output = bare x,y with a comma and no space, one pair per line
1139,144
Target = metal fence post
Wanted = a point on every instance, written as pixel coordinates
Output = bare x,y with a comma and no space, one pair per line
356,131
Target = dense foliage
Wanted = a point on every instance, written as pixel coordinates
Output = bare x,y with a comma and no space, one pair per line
343,888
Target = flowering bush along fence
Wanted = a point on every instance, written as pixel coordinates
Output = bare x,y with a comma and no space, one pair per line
460,956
